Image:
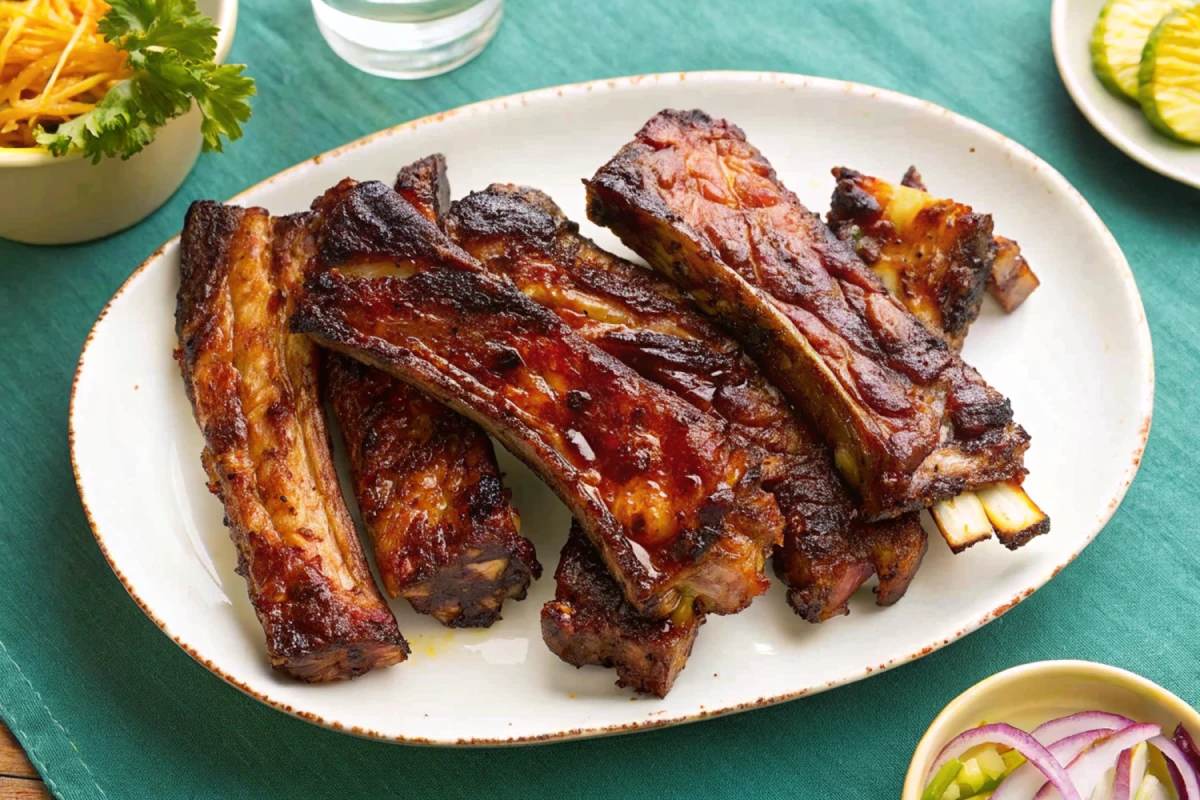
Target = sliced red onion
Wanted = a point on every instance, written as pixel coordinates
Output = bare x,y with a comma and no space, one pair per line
1057,729
1000,733
1027,779
1087,768
1188,746
1122,782
1189,782
1177,780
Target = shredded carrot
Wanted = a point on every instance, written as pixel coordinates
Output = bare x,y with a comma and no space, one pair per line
53,65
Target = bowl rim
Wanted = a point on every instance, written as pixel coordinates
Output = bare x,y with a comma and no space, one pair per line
935,737
1097,118
226,21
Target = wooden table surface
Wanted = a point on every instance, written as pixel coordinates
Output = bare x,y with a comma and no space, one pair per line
18,779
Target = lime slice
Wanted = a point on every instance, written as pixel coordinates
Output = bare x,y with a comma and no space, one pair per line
1120,36
1169,78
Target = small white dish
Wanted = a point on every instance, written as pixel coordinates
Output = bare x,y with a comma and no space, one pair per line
67,199
1080,342
1028,695
1120,121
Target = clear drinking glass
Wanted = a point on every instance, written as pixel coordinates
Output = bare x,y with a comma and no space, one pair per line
407,38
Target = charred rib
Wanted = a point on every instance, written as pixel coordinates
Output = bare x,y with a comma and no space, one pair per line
253,387
426,479
589,622
935,256
443,527
909,423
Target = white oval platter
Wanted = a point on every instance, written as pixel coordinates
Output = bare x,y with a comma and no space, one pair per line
1075,360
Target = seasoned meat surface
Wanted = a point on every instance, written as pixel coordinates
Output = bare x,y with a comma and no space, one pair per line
672,502
935,255
648,323
589,622
908,421
1010,280
426,479
425,186
254,389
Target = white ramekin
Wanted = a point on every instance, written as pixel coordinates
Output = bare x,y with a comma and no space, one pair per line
60,200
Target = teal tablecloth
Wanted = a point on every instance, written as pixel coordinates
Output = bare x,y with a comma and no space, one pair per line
109,708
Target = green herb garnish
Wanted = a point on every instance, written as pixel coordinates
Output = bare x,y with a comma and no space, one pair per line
171,47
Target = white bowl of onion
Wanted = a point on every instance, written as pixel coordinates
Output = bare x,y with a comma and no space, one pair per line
64,199
1075,730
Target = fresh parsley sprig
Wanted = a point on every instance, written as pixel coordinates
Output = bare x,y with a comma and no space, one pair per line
171,47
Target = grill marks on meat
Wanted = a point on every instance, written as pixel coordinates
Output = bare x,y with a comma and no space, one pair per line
426,479
589,622
908,421
935,255
673,505
254,391
650,324
443,526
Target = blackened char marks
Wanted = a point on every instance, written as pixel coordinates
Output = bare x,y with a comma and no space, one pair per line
425,186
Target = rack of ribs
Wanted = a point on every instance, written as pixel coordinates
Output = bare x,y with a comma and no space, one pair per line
652,326
672,502
254,390
935,256
910,424
443,527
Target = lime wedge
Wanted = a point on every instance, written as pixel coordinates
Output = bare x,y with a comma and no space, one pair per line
1120,36
1169,78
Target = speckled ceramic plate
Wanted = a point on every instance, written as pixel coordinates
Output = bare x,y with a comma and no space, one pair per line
1118,120
1075,359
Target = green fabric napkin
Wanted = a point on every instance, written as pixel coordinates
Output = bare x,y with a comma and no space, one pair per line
108,707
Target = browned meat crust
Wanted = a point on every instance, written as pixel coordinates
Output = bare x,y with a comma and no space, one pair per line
908,421
589,622
426,479
1010,280
253,387
425,186
673,504
651,325
935,255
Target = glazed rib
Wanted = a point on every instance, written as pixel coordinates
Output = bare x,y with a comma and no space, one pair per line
589,622
652,326
909,423
443,527
935,256
672,503
253,387
427,482
1010,280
